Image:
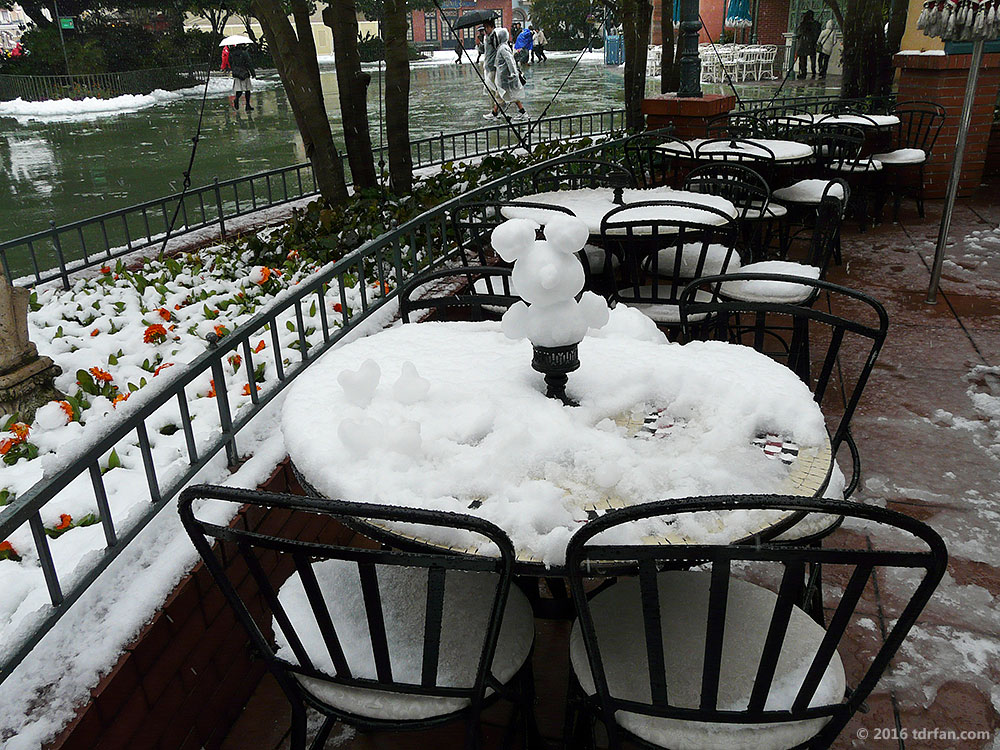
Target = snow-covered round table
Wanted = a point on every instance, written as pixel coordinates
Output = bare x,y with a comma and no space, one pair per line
861,121
472,432
782,152
591,205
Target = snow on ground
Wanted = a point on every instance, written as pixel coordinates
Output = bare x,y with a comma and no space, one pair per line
90,107
124,335
968,259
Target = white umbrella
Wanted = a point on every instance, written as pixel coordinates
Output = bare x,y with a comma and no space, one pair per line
234,40
958,20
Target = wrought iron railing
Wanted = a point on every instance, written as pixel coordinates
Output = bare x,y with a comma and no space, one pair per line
818,103
320,315
102,85
56,252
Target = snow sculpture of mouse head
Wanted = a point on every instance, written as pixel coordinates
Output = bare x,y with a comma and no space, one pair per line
547,275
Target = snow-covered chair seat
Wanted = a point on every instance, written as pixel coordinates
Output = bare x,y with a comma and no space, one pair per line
468,599
761,290
684,604
717,259
771,211
808,192
902,156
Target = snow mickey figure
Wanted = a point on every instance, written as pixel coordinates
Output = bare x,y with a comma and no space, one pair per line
548,276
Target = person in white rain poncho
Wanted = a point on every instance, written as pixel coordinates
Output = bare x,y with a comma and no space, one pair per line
509,83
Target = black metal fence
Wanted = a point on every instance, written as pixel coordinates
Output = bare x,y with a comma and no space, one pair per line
793,103
101,85
56,252
375,271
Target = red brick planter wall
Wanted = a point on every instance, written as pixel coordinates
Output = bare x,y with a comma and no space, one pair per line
187,676
941,79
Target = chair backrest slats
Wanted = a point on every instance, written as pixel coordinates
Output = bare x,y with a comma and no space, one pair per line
715,631
829,361
653,628
368,577
834,633
432,625
322,613
271,597
789,592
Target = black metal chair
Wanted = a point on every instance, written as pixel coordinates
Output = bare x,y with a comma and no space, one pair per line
473,224
659,256
919,126
473,292
658,158
379,639
745,189
838,150
724,656
850,325
574,174
733,125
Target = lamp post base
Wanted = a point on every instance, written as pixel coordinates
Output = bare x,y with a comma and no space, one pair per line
555,363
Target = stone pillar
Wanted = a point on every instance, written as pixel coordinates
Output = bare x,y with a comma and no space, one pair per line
687,114
26,380
941,79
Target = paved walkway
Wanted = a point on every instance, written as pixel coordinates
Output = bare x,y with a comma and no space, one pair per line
929,433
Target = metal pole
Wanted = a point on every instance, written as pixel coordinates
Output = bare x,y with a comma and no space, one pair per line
62,41
956,168
690,63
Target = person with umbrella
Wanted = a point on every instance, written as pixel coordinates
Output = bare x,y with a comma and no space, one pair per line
241,67
805,40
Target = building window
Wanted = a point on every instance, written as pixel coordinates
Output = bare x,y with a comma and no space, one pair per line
409,27
430,26
446,29
469,33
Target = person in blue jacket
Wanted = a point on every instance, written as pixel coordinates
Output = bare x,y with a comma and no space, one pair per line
522,47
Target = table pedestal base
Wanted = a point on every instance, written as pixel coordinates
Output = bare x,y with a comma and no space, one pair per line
555,363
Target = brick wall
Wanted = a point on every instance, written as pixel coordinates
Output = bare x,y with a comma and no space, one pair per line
942,79
187,676
772,22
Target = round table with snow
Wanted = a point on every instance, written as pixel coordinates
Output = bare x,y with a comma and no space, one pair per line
782,152
451,417
861,121
591,205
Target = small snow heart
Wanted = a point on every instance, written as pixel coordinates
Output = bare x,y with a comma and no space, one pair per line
359,386
410,387
360,436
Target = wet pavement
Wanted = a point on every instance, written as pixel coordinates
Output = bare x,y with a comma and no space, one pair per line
928,430
70,169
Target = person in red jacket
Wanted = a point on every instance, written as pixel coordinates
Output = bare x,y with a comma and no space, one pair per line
225,58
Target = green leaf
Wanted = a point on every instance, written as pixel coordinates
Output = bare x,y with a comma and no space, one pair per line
290,326
112,359
132,387
86,381
113,461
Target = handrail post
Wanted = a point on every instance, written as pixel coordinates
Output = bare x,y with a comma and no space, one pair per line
218,206
59,254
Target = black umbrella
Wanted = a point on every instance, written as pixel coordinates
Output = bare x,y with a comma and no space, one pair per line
474,18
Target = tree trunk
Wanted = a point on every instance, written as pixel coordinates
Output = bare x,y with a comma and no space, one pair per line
894,38
397,95
636,16
866,61
352,86
670,74
296,61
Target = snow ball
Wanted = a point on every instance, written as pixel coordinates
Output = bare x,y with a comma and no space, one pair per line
410,387
360,436
567,234
51,416
359,386
514,323
595,310
512,238
100,407
406,439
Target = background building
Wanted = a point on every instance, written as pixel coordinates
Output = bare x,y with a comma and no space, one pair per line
12,25
428,30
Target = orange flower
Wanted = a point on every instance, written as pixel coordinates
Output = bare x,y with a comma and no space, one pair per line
154,334
246,389
103,375
211,390
162,367
95,332
6,444
67,407
164,313
20,430
235,360
259,347
65,519
265,274
119,398
105,269
221,330
278,272
8,548
337,307
177,307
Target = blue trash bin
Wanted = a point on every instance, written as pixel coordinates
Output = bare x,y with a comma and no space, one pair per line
614,50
